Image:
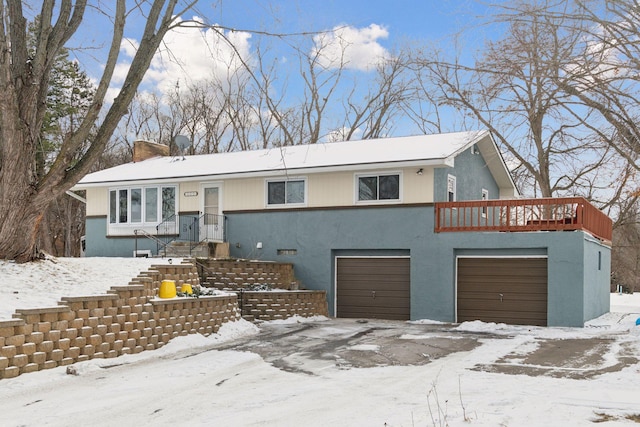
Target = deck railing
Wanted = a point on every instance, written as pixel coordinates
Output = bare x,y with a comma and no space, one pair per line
548,214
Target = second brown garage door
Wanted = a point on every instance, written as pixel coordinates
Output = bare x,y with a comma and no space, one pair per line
502,290
375,288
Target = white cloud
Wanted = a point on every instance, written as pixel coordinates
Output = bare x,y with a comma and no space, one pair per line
339,135
187,55
350,47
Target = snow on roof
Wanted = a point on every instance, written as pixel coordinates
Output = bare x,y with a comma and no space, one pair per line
429,149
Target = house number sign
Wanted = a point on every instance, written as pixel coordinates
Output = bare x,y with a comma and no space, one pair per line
190,193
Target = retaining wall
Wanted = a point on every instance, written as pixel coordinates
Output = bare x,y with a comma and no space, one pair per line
274,305
236,275
128,319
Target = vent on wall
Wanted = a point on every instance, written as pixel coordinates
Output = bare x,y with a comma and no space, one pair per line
287,251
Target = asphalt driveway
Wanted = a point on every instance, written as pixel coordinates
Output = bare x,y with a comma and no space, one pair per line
350,343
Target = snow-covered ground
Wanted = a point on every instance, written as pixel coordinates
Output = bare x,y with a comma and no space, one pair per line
191,383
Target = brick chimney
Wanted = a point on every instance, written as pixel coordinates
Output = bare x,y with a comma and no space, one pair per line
143,150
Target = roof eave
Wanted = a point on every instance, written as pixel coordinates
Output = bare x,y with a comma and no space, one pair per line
445,161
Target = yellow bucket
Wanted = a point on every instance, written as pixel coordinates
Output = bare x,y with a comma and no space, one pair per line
186,289
167,289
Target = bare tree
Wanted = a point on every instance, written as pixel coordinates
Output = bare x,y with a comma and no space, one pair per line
372,116
512,90
24,83
604,74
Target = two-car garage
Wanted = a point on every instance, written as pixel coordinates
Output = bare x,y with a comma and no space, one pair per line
509,290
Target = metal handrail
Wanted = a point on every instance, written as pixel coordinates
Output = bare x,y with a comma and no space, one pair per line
546,214
205,228
168,231
149,236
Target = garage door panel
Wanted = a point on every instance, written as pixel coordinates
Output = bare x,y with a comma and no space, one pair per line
470,297
505,262
521,281
373,285
379,295
355,300
497,288
358,280
514,318
492,305
390,313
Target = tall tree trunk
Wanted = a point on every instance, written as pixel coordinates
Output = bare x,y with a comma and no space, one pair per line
24,84
19,228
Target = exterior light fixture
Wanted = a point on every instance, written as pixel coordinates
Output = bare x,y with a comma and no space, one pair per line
420,171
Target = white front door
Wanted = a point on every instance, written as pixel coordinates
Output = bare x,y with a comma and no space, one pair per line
211,222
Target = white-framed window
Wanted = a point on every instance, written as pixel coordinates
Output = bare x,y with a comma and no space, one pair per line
451,188
383,187
485,196
142,205
291,191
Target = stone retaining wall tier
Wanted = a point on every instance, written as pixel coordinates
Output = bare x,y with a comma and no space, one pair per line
275,305
239,274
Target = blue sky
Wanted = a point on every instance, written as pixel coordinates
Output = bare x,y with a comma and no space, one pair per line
402,21
373,29
412,18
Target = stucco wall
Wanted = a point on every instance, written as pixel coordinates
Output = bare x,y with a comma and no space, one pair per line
319,235
472,175
597,269
97,244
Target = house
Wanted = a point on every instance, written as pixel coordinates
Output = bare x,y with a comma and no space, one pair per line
418,227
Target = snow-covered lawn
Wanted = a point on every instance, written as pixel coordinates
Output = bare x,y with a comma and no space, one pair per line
192,382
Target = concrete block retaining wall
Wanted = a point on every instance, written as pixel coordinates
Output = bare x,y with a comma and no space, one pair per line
274,305
128,319
238,274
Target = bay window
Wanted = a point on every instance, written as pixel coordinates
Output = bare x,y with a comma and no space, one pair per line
141,205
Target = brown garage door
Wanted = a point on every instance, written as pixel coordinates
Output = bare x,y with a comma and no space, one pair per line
376,288
502,290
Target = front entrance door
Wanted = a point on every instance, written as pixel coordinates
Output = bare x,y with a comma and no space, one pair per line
211,223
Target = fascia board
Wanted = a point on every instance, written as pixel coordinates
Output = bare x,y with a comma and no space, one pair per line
271,173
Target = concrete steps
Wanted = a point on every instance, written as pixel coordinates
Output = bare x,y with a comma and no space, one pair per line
179,249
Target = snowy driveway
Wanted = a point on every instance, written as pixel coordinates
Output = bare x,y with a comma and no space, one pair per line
346,343
340,372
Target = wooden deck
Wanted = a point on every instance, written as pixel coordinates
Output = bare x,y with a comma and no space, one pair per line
520,215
